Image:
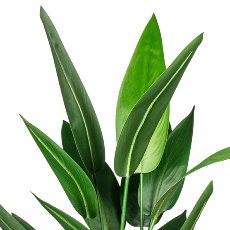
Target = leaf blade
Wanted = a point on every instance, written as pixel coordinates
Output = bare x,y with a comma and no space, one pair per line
83,120
148,111
198,208
172,167
26,225
73,179
65,220
8,222
176,223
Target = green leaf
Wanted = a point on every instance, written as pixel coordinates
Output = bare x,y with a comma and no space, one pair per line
197,210
107,186
73,179
23,222
144,117
172,167
65,220
83,120
133,209
144,69
8,222
70,147
161,205
176,223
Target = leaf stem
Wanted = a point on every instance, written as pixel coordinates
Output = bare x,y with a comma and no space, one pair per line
124,203
141,203
98,201
152,223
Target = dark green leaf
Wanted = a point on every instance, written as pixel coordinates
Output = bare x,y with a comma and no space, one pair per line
23,222
70,147
144,69
106,185
84,124
73,179
144,117
197,210
8,222
160,206
172,167
176,223
133,209
65,220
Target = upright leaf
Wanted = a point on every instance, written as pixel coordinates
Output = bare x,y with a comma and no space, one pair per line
145,67
144,117
8,222
65,220
106,185
176,223
84,124
172,167
73,179
198,208
23,222
161,205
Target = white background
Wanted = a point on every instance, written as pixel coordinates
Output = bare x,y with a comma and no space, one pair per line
100,37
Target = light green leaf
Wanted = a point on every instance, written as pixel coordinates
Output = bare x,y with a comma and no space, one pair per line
144,117
144,69
73,179
172,167
83,120
107,186
65,220
161,205
198,208
8,222
23,222
176,223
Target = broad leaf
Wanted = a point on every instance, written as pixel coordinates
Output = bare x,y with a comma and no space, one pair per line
176,223
133,209
8,222
84,124
197,210
144,117
65,220
107,186
161,205
23,222
73,179
172,167
144,69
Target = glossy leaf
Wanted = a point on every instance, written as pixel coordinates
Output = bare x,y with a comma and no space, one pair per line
84,124
8,222
65,220
133,209
144,69
197,210
144,117
107,187
73,179
176,223
172,167
70,147
161,205
23,222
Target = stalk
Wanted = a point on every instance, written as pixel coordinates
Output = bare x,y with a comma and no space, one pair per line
124,203
141,203
152,223
98,201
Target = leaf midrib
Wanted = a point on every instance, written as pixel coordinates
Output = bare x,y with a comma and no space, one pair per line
75,98
147,112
